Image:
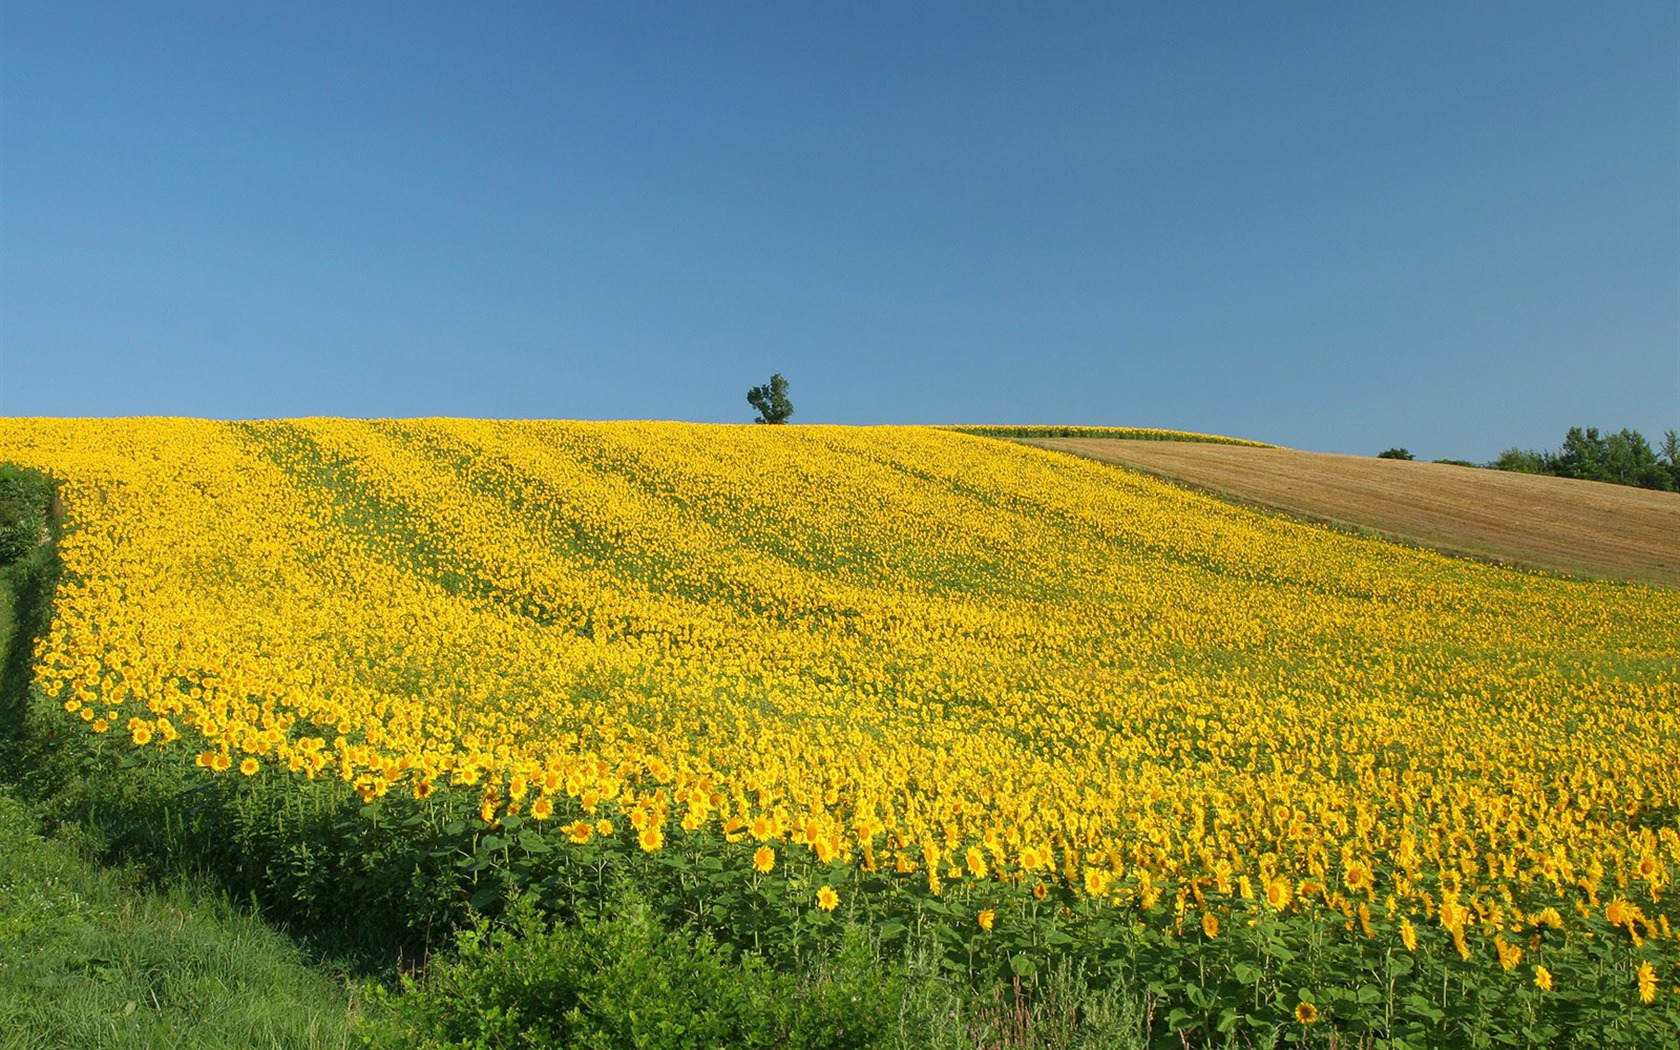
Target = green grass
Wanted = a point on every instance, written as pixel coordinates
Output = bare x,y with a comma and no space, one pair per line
91,958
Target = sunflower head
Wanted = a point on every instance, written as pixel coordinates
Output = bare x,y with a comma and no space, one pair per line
1306,1013
1279,893
1647,983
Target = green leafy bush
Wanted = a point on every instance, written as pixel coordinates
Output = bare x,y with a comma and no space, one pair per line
25,499
625,981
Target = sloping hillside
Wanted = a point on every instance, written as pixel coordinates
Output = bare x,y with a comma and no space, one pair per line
884,672
1579,527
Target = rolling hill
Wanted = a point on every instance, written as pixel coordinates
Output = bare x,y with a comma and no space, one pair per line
1579,527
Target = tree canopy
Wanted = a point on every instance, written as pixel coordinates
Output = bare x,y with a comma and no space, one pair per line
771,401
1622,458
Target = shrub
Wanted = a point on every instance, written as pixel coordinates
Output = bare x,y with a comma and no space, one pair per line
25,497
625,980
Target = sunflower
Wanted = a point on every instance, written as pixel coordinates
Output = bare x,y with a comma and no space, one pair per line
1408,935
651,838
1357,875
1210,924
986,918
1278,894
1306,1013
250,766
1620,912
764,860
1647,983
1542,978
827,899
542,808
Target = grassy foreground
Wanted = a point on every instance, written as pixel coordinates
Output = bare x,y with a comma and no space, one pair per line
91,957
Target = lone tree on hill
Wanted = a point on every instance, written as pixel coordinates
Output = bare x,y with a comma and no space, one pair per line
1395,453
771,401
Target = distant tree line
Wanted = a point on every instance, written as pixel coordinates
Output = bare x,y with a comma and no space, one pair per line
1622,458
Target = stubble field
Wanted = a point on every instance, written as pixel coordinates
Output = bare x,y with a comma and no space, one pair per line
1582,527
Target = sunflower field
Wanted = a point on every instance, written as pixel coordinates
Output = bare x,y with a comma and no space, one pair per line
1029,709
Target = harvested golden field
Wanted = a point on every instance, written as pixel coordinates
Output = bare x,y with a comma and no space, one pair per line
1580,527
916,662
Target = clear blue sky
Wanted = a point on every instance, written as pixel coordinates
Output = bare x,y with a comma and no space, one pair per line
1453,227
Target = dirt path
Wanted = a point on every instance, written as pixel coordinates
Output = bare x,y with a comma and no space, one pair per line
1579,527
